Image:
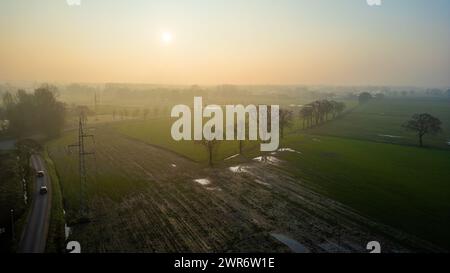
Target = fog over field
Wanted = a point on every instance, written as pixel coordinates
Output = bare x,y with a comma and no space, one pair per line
224,126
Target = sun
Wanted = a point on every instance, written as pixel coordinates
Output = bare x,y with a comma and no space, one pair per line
167,37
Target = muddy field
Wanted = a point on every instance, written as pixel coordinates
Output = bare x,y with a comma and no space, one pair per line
146,199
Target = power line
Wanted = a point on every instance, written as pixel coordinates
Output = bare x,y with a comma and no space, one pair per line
84,210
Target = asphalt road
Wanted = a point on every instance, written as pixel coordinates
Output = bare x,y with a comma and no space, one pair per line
34,235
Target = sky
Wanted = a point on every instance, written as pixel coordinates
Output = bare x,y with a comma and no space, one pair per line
345,42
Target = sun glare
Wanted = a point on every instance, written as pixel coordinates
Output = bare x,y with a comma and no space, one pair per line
166,37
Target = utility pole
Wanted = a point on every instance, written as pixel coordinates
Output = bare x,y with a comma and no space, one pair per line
82,167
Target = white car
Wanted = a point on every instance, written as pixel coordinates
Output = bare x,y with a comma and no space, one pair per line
43,190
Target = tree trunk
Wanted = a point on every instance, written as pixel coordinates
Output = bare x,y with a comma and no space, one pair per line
240,147
420,140
210,157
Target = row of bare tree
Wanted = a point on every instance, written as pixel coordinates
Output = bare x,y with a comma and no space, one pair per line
312,114
319,111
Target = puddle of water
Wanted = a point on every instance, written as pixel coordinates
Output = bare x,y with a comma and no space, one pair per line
261,182
293,245
231,157
174,165
390,136
237,169
25,197
268,159
213,189
288,150
202,181
67,231
273,159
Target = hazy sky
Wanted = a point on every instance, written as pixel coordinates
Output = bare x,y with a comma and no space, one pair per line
402,42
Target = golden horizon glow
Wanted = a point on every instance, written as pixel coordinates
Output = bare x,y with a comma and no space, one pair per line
219,42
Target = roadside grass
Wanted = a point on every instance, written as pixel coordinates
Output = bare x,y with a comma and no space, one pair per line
56,236
405,187
11,197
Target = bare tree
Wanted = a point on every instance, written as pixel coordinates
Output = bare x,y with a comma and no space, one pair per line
316,109
241,142
318,112
210,146
423,124
306,114
326,109
285,120
340,107
364,97
337,108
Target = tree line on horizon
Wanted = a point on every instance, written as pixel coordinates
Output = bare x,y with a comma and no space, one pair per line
317,112
314,113
38,112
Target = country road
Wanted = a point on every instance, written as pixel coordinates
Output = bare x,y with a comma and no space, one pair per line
34,234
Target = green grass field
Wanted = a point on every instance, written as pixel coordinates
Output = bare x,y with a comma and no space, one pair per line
405,187
397,184
382,121
402,186
157,132
139,202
